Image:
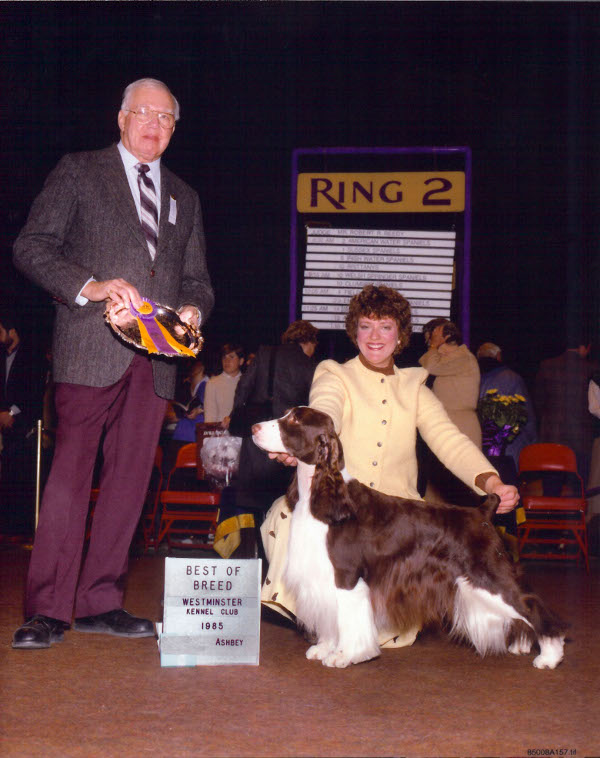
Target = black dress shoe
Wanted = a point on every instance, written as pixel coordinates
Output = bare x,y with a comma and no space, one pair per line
118,622
38,632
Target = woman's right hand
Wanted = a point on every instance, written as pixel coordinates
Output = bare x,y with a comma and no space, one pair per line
287,460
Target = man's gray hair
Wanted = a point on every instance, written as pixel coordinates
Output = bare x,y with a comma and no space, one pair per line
148,83
489,350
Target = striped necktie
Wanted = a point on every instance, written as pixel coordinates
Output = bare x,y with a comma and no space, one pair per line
149,208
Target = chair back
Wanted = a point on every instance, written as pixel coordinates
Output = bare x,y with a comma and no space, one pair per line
547,456
553,497
186,456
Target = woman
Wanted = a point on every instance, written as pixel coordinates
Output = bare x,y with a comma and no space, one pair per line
456,386
456,374
376,409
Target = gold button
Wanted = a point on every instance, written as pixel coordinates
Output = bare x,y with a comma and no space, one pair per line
384,402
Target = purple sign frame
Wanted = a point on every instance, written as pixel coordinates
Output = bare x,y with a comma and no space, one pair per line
464,285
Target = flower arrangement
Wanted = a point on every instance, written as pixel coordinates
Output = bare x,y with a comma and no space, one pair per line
501,417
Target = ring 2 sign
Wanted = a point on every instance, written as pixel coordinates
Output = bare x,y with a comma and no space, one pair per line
393,216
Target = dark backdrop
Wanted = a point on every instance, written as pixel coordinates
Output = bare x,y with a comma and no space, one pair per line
517,82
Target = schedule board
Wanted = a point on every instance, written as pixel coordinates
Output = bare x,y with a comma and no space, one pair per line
393,216
339,262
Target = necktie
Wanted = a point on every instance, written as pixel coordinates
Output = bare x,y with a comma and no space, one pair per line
149,215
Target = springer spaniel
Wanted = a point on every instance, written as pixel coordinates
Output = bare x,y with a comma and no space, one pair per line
360,561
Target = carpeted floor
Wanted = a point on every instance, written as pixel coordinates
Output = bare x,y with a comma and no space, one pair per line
94,695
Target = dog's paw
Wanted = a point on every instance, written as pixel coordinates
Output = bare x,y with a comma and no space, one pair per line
521,646
337,659
551,653
340,658
319,651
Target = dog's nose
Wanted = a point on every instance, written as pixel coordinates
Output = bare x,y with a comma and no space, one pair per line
255,428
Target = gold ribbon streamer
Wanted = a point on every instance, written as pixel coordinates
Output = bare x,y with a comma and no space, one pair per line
227,536
148,342
173,342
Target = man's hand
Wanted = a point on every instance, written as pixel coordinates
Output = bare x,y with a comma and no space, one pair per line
6,420
194,413
189,315
117,290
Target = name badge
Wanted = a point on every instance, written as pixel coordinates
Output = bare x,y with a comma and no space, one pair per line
172,210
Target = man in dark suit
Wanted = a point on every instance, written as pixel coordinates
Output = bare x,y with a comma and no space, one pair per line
282,374
21,388
109,227
561,398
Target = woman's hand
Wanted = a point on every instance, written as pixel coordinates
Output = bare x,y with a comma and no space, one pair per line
287,460
508,494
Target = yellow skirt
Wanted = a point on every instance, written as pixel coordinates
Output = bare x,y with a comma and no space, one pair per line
275,532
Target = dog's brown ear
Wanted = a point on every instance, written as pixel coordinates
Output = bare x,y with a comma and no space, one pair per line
292,493
329,498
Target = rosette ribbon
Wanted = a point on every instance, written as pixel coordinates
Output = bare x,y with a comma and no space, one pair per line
155,338
494,438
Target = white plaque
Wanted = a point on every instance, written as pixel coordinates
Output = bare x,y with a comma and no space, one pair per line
211,612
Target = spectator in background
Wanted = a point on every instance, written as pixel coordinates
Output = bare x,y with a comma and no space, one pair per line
184,414
191,412
260,480
593,493
456,385
495,374
220,390
21,393
561,399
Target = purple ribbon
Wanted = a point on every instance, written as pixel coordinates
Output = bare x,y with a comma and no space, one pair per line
495,439
151,325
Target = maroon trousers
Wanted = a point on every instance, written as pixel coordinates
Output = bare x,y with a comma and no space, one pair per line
57,584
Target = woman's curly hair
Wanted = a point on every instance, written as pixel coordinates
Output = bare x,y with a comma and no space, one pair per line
380,302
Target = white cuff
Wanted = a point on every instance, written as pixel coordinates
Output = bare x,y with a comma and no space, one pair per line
80,299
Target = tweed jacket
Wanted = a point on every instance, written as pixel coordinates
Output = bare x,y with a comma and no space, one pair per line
84,223
377,418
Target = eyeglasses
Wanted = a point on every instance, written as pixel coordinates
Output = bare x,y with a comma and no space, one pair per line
144,115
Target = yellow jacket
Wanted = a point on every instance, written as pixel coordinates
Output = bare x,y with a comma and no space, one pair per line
377,418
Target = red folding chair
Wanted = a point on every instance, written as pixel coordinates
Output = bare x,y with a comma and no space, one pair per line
554,505
189,510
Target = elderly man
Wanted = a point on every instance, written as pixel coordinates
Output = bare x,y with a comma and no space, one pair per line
109,227
495,374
